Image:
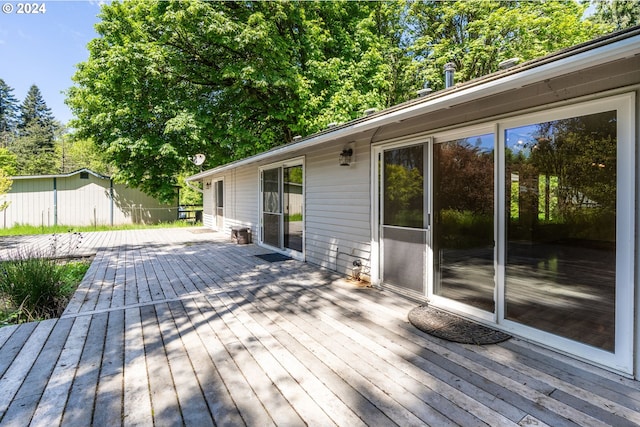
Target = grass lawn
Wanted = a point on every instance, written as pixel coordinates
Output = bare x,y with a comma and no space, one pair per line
22,230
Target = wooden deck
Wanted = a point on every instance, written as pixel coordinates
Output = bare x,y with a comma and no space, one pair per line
173,328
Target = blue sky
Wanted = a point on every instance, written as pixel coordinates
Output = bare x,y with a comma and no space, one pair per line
43,49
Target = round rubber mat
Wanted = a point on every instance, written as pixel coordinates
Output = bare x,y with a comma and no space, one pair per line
453,328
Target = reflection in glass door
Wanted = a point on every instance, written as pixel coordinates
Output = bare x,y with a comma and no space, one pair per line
561,186
404,223
271,207
463,221
293,207
219,204
283,207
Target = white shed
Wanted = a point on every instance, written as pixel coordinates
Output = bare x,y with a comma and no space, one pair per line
82,197
509,199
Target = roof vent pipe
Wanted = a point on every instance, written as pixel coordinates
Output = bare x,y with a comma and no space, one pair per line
449,70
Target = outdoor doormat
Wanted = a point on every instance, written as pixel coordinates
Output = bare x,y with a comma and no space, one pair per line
453,328
274,257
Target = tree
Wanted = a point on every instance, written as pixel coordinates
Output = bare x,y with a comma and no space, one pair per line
477,36
77,153
619,14
35,144
8,114
167,80
8,162
5,186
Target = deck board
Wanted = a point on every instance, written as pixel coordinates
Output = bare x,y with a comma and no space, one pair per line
171,327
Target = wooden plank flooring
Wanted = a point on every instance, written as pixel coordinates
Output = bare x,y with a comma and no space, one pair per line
172,327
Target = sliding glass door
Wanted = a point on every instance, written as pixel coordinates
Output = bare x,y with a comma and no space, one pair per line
525,223
463,220
282,201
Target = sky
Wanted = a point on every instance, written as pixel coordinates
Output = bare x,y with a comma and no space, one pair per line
44,48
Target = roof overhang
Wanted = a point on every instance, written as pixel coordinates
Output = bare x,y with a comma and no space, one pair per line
63,175
601,51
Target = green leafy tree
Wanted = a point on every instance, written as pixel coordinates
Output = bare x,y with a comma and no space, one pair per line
77,153
167,80
8,114
477,35
619,14
8,161
5,186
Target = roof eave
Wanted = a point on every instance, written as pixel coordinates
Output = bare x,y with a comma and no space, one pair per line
588,55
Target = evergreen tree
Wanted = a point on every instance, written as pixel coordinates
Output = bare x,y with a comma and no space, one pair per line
35,143
35,111
8,114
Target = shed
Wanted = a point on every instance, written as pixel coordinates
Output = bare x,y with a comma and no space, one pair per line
82,197
509,200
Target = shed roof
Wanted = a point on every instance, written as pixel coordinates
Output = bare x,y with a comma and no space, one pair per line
612,47
62,175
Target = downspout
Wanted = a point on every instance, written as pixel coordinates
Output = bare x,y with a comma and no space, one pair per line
111,205
55,201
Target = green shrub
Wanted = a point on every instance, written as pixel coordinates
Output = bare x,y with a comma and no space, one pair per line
34,287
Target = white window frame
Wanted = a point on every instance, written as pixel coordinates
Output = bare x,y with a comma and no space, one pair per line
621,359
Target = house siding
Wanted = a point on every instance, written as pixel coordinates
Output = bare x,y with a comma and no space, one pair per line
208,220
338,206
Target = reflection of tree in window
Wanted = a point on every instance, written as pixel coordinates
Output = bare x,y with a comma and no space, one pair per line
567,173
404,187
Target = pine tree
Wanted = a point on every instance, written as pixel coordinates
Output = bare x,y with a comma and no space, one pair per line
8,114
35,143
34,110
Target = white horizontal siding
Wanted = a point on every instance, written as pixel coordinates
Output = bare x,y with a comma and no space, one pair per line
208,219
338,208
337,204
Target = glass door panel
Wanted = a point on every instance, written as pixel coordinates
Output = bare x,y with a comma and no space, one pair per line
293,207
403,218
463,221
271,207
219,200
561,186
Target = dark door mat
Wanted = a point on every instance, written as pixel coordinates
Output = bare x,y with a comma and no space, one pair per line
274,257
453,328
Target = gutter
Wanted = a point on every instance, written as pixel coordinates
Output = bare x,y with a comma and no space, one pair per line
607,49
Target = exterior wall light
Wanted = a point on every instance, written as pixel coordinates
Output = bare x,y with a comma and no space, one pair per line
208,184
345,157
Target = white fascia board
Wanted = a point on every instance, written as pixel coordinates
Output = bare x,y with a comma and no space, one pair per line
573,62
62,175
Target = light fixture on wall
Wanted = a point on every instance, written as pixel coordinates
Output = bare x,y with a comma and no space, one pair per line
345,156
207,185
